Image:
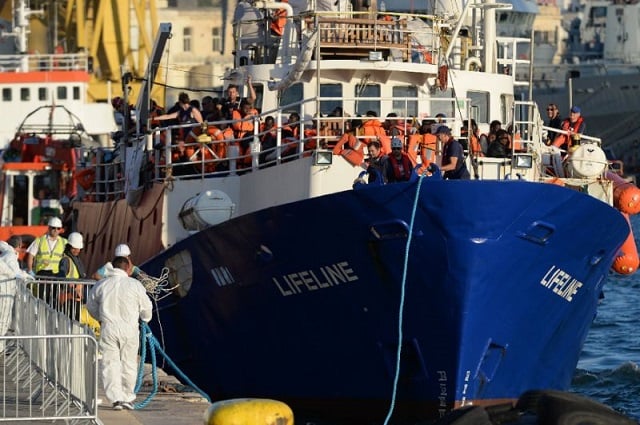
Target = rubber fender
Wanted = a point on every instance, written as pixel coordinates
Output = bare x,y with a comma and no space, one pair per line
626,195
592,418
246,411
556,406
471,415
503,413
532,401
627,261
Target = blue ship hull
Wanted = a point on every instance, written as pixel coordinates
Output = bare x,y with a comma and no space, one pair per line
302,302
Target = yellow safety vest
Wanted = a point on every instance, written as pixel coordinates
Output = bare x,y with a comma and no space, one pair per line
46,260
72,273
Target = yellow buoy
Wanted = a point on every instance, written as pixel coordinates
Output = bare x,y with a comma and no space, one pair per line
248,411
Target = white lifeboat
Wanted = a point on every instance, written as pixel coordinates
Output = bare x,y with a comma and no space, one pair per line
206,209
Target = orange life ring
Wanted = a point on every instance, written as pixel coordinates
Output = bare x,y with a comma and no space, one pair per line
443,77
86,177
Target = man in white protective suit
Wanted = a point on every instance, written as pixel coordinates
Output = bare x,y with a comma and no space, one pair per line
118,302
10,272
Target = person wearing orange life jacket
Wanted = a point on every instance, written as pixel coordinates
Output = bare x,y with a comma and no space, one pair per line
278,21
473,138
574,125
395,127
350,147
372,129
425,144
243,127
233,100
517,145
400,167
291,134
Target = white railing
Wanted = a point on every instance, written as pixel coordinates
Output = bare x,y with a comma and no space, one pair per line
49,366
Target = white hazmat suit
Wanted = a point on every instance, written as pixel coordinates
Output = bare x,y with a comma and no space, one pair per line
9,273
118,302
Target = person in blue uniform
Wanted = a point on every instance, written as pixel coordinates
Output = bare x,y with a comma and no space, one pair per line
453,165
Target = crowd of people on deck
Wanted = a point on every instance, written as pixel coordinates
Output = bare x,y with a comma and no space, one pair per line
112,307
229,125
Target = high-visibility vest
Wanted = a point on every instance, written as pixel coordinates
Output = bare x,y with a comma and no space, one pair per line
73,272
49,260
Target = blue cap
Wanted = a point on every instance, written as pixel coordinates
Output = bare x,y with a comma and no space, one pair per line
575,109
443,129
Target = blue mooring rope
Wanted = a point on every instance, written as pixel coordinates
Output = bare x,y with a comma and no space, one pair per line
402,295
146,334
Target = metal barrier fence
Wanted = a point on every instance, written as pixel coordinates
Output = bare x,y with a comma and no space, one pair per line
49,367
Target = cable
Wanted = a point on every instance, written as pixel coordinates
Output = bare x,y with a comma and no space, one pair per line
147,335
402,296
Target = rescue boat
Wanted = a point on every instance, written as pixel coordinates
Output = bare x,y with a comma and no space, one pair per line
295,280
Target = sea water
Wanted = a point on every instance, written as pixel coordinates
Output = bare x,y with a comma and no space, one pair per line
608,370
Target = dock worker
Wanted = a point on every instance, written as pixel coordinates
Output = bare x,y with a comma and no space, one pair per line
72,267
44,254
118,302
122,250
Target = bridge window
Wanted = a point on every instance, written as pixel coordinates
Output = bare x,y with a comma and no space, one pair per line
43,94
186,39
291,95
25,94
332,91
480,105
76,92
362,103
6,95
61,93
407,106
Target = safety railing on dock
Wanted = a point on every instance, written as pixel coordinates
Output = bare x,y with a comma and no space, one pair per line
48,369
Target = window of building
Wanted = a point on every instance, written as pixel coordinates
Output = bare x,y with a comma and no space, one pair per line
363,104
6,95
43,94
186,39
216,39
25,94
407,103
61,93
76,93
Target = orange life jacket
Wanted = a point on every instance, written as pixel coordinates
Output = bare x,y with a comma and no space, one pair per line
373,130
561,139
279,20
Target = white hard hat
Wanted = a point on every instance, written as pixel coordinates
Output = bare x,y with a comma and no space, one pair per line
54,222
122,250
75,240
396,143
